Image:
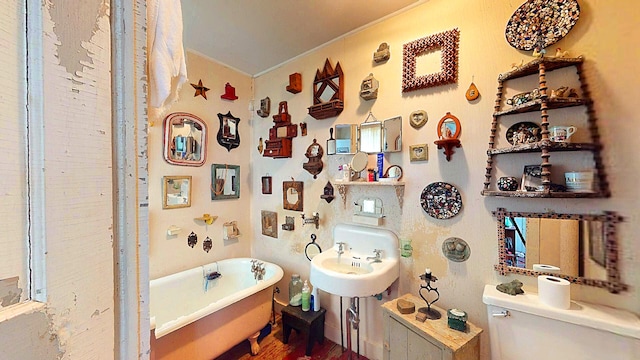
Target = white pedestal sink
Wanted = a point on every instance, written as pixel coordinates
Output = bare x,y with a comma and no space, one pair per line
355,273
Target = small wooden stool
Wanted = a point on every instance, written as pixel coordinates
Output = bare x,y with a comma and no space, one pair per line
310,322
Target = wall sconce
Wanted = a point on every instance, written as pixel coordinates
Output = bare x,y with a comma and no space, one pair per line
312,220
230,231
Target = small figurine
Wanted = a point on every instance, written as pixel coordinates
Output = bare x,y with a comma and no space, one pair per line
560,53
538,52
516,66
512,288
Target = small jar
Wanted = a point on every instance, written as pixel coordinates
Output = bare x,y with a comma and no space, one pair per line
295,290
372,176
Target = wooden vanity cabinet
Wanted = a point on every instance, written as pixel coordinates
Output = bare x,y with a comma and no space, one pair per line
406,338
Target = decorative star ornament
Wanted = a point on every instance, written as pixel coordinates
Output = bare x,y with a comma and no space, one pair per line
200,89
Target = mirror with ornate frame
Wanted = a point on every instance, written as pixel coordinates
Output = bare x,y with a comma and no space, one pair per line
580,248
185,139
228,134
292,195
176,192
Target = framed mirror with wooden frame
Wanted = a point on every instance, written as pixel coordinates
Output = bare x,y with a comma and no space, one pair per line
176,192
293,195
225,181
581,248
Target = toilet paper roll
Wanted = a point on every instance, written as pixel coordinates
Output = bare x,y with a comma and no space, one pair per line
554,291
546,268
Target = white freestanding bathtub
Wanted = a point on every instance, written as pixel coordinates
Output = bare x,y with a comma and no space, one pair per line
194,320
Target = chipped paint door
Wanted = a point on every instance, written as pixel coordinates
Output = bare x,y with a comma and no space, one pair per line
13,165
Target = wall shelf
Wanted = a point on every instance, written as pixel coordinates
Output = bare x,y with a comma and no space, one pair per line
344,185
545,147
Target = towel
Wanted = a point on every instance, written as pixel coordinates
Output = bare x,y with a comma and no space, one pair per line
165,51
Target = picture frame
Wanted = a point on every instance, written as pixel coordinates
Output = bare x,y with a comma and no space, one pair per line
531,178
267,186
225,181
447,42
418,152
269,221
293,195
176,192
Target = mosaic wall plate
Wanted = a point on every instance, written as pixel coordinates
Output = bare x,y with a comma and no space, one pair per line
542,22
441,200
524,132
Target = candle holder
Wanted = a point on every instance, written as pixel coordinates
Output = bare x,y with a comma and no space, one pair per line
430,313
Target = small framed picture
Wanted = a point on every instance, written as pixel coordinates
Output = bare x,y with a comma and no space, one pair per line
269,223
418,152
532,178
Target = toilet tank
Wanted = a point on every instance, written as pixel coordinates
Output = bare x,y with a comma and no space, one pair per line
523,328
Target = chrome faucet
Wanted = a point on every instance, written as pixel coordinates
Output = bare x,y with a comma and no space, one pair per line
377,258
258,270
341,246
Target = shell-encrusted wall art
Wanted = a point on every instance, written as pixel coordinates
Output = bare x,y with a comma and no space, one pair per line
540,23
441,200
447,42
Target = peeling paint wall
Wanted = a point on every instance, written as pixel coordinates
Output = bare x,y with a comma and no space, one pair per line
13,207
78,322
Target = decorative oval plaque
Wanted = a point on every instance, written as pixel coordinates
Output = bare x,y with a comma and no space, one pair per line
441,200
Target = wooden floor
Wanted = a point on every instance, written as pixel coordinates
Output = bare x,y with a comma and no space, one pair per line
272,348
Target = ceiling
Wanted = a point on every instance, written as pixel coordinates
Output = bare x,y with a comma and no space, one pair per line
253,36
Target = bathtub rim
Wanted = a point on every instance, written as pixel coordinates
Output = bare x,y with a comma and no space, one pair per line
184,320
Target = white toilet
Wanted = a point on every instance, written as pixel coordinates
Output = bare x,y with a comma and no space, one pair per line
522,328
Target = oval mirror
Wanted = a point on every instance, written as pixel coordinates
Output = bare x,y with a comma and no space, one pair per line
449,127
312,249
359,161
185,139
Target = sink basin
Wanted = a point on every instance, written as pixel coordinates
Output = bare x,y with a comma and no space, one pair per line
350,274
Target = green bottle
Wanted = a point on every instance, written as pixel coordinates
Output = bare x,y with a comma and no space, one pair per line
306,297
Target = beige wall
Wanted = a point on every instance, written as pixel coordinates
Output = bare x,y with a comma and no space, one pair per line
484,54
170,254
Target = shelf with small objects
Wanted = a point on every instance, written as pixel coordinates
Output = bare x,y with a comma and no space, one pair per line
550,136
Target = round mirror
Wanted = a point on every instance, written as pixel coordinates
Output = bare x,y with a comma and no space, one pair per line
359,161
393,172
312,249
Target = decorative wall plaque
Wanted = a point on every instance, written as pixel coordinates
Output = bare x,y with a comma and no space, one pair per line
447,42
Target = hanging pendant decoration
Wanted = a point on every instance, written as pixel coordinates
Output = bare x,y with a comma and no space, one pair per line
192,239
207,244
472,92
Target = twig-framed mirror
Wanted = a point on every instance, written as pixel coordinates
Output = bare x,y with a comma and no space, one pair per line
292,195
225,181
176,192
581,248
